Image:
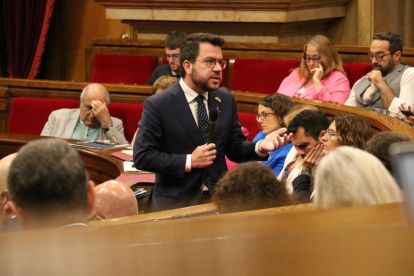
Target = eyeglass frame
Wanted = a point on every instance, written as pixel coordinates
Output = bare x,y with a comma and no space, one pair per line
173,56
309,59
214,65
263,116
330,134
376,56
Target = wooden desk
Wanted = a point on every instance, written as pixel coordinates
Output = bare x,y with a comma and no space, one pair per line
99,163
369,240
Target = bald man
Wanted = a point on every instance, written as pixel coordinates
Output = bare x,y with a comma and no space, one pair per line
114,199
5,212
90,122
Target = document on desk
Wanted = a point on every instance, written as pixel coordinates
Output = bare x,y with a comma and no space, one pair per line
132,179
130,167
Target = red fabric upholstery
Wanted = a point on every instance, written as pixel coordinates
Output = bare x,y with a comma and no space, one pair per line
260,75
249,121
123,69
355,71
130,114
29,115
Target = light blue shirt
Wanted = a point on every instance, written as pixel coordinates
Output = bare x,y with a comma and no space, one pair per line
85,133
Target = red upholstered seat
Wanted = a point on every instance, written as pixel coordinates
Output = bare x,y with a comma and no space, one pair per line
355,71
29,115
260,75
249,121
123,69
130,114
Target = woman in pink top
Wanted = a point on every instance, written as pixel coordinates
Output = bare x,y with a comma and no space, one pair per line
320,75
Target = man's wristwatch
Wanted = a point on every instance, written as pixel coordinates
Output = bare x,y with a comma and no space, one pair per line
305,172
107,128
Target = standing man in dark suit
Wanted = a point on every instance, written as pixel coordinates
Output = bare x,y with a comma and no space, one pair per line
173,131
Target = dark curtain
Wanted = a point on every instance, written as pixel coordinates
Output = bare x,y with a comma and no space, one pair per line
26,23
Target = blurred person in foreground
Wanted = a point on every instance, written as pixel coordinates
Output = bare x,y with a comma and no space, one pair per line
380,143
114,199
349,177
8,221
49,187
249,187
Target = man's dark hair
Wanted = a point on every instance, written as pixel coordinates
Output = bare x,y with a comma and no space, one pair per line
280,104
48,176
190,49
174,40
249,187
396,42
313,122
379,144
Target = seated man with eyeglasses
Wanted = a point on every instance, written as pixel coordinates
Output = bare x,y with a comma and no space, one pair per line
90,122
172,46
308,128
390,83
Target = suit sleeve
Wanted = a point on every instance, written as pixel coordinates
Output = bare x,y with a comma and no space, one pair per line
117,132
336,89
148,149
238,149
50,124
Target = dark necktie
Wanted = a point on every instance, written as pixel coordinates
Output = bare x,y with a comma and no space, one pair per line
203,127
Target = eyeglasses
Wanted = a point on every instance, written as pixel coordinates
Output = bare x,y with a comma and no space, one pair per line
262,116
174,57
211,63
378,57
87,108
309,59
330,133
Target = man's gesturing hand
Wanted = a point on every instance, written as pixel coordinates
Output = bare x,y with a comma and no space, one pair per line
273,141
101,113
203,156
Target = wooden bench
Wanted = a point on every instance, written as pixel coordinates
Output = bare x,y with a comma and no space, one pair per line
285,56
135,94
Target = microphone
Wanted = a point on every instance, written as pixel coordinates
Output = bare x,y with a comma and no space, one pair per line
212,126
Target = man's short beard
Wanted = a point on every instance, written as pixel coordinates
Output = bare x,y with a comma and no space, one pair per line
385,71
200,83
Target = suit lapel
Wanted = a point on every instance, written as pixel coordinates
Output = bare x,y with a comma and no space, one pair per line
71,124
183,112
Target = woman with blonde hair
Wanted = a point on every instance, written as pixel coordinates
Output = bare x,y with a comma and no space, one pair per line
320,75
349,176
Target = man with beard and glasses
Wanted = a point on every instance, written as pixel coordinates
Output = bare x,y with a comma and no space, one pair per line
173,132
390,83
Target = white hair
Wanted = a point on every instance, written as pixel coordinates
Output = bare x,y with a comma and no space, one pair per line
349,176
85,90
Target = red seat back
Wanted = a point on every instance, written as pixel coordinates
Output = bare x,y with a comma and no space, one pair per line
123,69
29,115
355,71
130,114
249,121
260,75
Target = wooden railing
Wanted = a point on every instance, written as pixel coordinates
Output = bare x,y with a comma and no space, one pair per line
246,102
